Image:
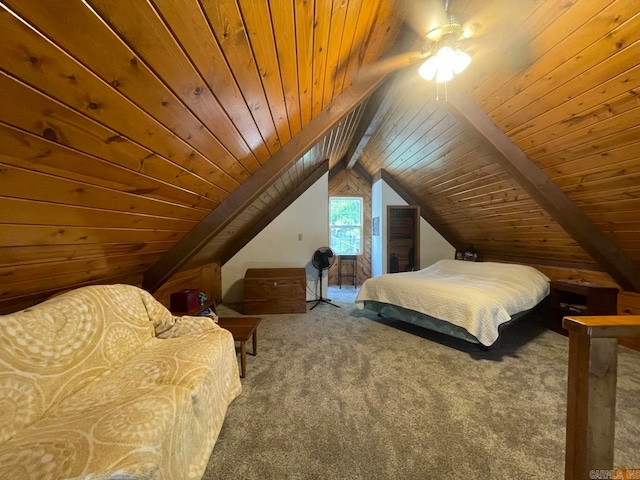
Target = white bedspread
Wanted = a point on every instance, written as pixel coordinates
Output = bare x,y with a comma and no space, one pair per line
477,296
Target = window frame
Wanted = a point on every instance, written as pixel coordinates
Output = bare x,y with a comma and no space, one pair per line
360,226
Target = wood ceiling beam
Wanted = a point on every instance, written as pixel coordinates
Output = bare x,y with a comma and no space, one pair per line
337,168
256,184
255,229
369,122
374,110
425,211
359,169
546,193
342,165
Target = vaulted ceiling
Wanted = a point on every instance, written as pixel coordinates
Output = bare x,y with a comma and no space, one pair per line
562,83
125,126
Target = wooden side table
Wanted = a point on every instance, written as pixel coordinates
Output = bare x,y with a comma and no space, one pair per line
353,259
242,329
571,297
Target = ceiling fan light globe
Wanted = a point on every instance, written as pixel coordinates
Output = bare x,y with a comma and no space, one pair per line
445,73
445,55
428,69
461,61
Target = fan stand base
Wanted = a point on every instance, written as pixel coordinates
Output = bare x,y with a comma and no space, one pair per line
322,300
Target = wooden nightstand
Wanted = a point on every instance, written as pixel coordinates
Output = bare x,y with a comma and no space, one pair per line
572,297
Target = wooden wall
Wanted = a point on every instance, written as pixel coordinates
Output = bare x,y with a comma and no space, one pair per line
347,183
122,124
561,79
206,278
331,147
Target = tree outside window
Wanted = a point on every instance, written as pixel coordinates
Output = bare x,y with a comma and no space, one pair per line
345,223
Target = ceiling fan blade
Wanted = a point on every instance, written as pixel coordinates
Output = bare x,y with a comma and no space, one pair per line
425,15
392,64
496,33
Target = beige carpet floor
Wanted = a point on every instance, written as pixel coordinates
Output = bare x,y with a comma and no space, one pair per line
341,394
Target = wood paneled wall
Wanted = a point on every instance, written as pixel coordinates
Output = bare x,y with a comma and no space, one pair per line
122,124
346,183
561,80
331,147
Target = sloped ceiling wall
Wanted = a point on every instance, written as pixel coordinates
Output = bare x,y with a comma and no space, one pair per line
437,162
123,124
330,149
561,80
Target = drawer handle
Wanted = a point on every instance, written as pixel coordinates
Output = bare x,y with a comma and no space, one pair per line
275,284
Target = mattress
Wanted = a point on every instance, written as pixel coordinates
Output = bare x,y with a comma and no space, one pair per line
477,297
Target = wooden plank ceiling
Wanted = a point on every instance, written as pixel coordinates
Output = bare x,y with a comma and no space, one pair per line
332,146
124,124
562,80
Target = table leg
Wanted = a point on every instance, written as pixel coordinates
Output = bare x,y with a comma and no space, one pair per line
243,358
255,342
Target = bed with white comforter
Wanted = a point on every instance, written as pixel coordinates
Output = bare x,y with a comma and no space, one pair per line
477,297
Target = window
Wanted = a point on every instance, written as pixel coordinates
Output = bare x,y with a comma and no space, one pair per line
345,223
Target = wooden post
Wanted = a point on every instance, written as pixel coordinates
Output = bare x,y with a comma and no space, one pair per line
591,392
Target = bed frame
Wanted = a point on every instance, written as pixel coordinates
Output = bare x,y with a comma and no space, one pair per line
426,321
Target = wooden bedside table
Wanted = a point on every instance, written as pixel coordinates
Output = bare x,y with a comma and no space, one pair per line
571,298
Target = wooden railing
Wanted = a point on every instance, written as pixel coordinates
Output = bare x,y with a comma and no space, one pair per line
591,395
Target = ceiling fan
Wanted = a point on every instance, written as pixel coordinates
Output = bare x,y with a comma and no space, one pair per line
448,40
489,34
444,55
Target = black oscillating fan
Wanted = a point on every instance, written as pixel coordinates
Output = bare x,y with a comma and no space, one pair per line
322,259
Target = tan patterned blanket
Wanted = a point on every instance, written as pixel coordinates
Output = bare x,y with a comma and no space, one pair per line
103,382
